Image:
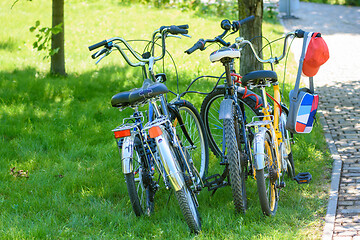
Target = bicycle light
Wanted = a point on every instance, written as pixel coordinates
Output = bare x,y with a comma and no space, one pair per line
122,133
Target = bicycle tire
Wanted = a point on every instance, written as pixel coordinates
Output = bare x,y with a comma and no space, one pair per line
290,167
237,181
210,115
185,196
141,195
196,130
189,209
266,186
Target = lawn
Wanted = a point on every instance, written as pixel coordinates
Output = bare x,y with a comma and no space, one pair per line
58,131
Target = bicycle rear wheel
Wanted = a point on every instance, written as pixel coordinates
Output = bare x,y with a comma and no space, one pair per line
210,115
139,183
266,180
199,151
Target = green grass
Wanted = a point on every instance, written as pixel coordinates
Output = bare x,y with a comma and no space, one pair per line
59,130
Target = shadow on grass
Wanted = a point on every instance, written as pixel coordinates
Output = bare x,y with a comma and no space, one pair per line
59,129
8,45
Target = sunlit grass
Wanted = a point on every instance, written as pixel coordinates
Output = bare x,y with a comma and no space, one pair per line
59,130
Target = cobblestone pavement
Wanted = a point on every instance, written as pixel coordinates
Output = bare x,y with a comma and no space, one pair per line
338,85
340,105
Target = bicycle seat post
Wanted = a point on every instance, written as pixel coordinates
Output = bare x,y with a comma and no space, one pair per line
229,83
263,96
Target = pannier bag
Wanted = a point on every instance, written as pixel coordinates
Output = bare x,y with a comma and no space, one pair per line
304,102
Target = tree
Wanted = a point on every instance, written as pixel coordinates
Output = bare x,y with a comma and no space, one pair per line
56,33
248,31
57,40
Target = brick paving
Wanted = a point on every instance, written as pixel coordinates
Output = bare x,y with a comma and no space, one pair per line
338,84
340,105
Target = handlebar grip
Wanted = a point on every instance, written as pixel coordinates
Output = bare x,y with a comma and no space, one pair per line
97,45
245,20
185,26
177,30
239,23
300,33
198,45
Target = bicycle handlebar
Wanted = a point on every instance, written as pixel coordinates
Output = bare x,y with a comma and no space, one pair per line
164,30
297,33
227,26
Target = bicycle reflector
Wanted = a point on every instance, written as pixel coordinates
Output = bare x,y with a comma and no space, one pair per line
122,133
155,131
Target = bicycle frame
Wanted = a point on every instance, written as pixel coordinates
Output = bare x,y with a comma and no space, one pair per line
230,99
270,124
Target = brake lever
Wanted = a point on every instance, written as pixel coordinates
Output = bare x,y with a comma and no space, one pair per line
107,53
175,36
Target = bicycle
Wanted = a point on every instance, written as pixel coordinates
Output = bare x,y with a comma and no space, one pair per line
224,111
232,142
164,147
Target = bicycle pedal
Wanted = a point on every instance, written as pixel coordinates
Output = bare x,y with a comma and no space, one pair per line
214,182
281,185
302,178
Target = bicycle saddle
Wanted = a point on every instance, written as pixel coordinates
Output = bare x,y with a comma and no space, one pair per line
148,90
224,53
260,77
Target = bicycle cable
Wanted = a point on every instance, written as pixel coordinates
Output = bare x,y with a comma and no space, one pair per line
203,93
286,58
146,49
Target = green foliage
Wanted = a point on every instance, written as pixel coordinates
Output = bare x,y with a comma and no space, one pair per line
352,2
43,38
341,2
58,132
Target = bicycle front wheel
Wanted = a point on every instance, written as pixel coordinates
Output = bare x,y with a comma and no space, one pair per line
189,207
266,180
199,151
237,179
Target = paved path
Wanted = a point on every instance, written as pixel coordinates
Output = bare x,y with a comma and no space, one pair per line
338,84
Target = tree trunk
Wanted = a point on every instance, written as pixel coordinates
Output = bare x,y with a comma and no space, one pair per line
248,31
57,41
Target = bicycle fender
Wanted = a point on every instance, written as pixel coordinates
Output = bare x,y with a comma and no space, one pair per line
259,148
127,153
225,111
169,161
